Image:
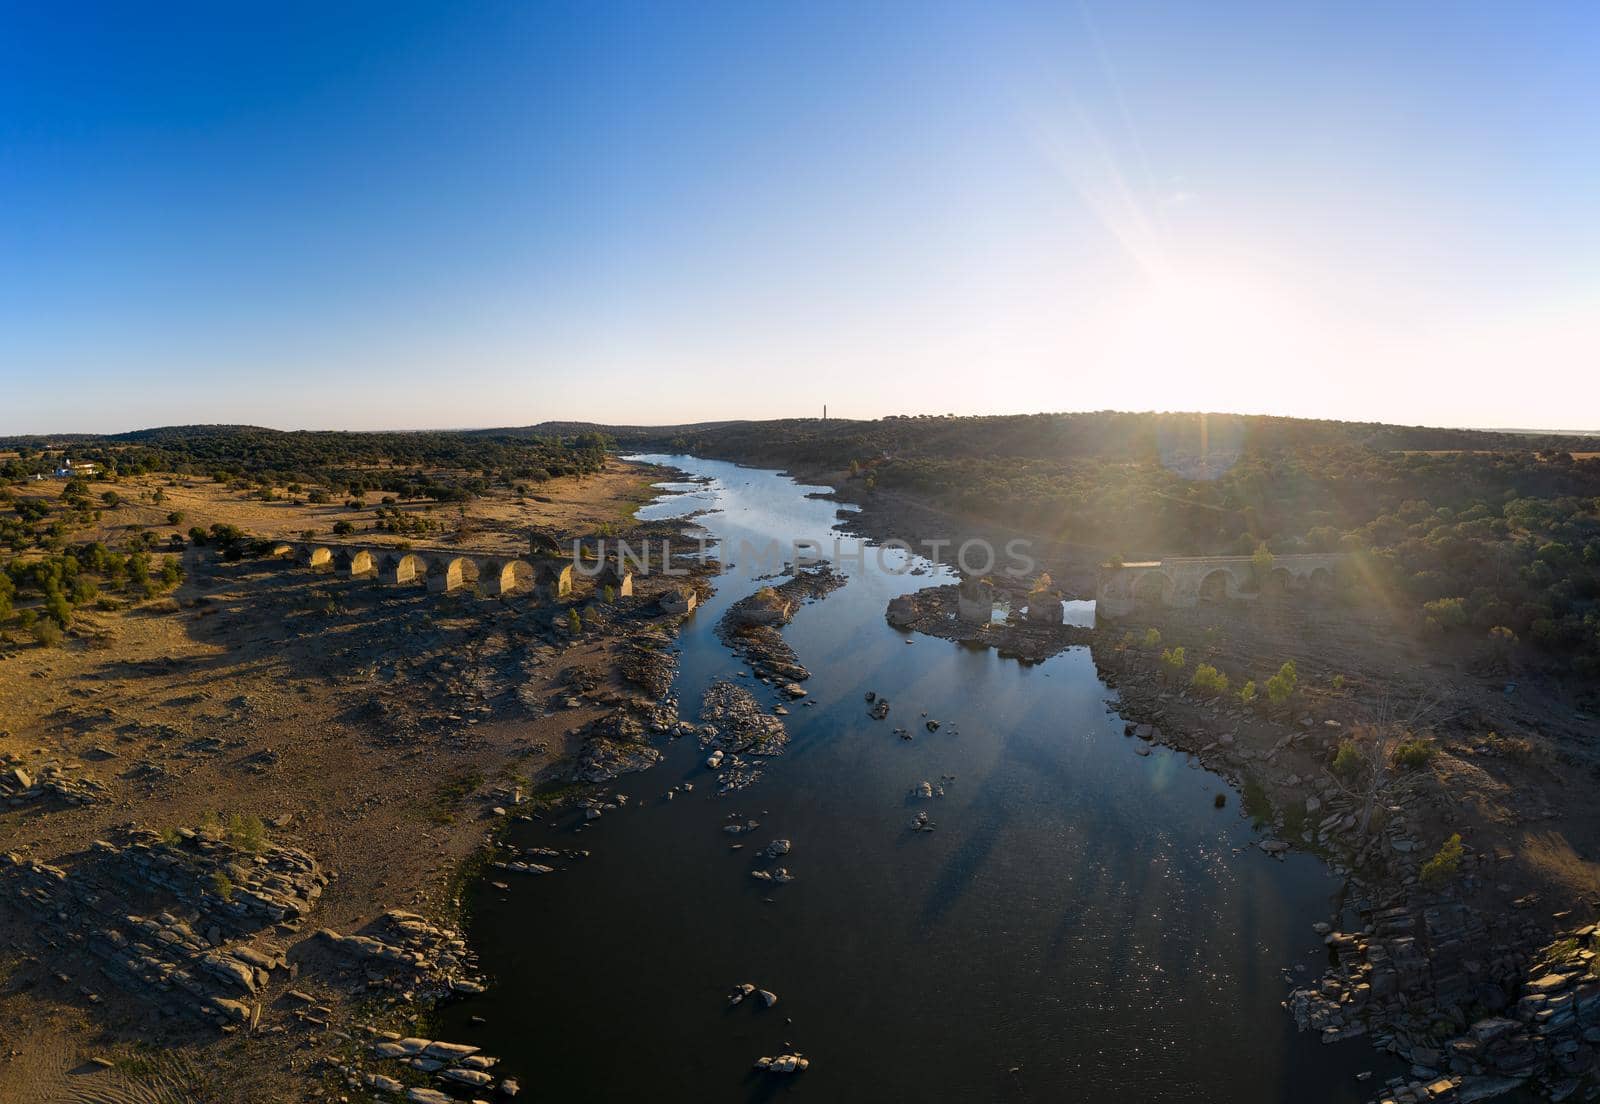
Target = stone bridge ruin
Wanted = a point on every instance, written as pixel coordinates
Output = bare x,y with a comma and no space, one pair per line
443,571
1184,582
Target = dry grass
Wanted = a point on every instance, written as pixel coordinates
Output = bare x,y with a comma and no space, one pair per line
496,521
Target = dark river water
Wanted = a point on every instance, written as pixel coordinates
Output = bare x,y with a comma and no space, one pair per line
1083,924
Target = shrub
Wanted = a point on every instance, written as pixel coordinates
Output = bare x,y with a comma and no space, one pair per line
1281,686
46,632
574,622
1261,561
343,528
247,833
1450,613
1515,748
1247,693
1413,753
175,518
1173,661
1338,682
222,885
1347,761
1208,680
1445,864
1152,639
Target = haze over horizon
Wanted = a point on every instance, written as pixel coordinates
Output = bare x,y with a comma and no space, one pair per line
407,216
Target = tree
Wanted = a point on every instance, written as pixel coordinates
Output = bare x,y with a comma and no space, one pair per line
1261,561
1364,767
175,518
1447,613
1210,681
1281,686
1445,864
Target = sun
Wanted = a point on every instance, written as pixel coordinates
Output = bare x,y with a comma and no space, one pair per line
1210,339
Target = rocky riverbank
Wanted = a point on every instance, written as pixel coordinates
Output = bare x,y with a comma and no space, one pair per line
1478,990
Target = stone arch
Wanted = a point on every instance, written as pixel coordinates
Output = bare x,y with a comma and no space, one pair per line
363,564
281,551
408,567
320,558
1152,588
1215,586
1279,582
449,573
1320,581
553,578
511,577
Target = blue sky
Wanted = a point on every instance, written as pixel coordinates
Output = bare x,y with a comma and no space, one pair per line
491,214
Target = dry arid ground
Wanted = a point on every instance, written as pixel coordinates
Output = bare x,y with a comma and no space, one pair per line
494,522
372,727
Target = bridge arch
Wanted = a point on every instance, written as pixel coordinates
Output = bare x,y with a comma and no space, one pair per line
1279,582
1216,586
1320,581
363,564
510,577
407,567
320,558
280,551
451,573
1152,588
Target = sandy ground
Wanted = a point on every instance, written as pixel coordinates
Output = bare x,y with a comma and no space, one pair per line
346,715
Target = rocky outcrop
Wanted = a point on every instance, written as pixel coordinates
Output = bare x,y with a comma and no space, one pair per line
1430,964
120,905
22,784
749,627
405,952
738,723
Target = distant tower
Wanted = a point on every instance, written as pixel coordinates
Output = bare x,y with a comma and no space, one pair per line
824,411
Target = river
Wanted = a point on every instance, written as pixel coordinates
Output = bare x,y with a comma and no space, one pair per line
1083,924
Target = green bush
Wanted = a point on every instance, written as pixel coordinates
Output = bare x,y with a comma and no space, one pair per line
1208,680
1445,864
1173,661
1413,753
247,833
1152,639
1450,613
1281,686
1247,693
1347,761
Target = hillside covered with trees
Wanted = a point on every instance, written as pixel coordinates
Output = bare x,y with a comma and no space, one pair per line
1470,531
